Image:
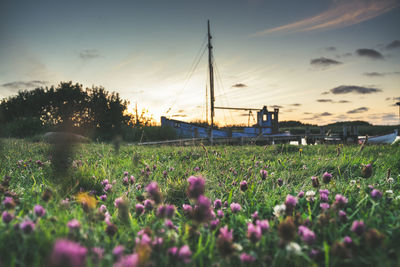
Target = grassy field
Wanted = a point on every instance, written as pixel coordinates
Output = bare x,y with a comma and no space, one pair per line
104,210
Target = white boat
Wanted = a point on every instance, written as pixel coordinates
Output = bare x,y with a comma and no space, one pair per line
382,139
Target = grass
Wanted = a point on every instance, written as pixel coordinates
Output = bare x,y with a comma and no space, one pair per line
223,168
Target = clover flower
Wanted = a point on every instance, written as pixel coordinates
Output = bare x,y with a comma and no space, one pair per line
243,186
254,232
264,174
314,181
235,207
342,216
154,192
324,206
139,209
148,204
300,194
366,171
340,200
217,204
131,260
7,217
103,197
264,225
196,186
118,251
290,202
279,210
27,226
68,253
306,235
202,210
358,227
220,213
8,202
184,254
376,194
214,224
280,181
39,210
310,195
73,224
326,177
247,258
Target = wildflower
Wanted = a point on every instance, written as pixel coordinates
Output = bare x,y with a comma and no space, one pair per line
340,200
300,194
253,232
46,196
68,253
314,253
353,182
220,213
293,247
27,226
235,207
154,192
139,209
107,188
165,174
246,258
310,195
161,211
39,210
196,169
358,227
279,210
280,181
264,225
326,177
347,240
366,171
73,224
8,202
126,173
390,180
184,254
314,181
118,251
202,210
217,204
98,254
104,182
187,209
173,251
224,241
131,260
125,181
264,174
342,216
376,194
324,206
86,200
287,229
169,211
196,186
243,186
214,224
323,197
111,229
148,204
255,216
102,208
306,235
324,192
157,243
103,197
290,203
132,179
7,217
389,193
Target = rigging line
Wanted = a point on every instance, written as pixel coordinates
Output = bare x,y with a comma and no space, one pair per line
191,71
223,89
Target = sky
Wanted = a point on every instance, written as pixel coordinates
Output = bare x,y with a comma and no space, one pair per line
318,61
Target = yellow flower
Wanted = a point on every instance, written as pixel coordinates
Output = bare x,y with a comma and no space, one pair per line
86,199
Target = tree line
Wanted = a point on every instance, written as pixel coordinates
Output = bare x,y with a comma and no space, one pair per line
94,112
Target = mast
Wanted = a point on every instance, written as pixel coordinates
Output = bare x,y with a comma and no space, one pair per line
211,70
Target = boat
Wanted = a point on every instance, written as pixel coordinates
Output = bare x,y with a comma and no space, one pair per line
266,124
381,139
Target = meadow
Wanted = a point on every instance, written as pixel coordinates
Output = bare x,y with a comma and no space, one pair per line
279,205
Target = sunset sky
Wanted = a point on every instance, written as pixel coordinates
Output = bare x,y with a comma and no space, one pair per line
319,61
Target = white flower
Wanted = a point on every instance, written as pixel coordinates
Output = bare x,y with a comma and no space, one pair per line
310,195
390,180
389,192
353,182
293,247
279,210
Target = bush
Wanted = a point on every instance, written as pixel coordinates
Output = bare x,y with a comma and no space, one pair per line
24,127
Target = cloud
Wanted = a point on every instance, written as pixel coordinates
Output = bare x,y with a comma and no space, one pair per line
324,62
358,110
370,53
345,89
380,74
88,54
325,93
239,85
341,13
343,101
21,85
276,106
393,45
324,114
295,105
330,48
325,100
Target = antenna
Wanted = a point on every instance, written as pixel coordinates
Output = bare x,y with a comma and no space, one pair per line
210,67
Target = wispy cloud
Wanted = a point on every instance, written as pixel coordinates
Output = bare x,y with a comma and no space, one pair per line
324,62
22,85
345,89
295,105
393,45
358,110
324,100
370,53
88,54
380,74
340,14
